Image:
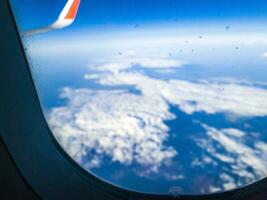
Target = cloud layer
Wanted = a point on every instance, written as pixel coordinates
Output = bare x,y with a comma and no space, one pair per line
231,98
130,127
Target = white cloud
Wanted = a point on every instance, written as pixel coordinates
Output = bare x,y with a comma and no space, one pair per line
246,154
234,132
213,189
263,147
248,162
126,127
159,63
229,182
235,99
128,60
114,67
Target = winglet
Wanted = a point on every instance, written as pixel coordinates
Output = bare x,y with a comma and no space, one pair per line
66,18
68,14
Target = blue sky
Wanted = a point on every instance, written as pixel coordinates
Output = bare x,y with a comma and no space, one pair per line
101,12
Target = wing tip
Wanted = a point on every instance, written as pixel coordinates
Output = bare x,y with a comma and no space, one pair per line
72,12
66,18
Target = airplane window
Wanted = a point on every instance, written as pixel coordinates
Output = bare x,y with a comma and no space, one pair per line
166,96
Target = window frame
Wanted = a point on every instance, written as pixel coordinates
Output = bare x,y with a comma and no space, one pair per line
46,167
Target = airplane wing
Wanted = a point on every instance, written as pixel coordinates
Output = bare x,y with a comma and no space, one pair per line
66,18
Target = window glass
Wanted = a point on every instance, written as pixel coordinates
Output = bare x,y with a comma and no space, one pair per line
166,96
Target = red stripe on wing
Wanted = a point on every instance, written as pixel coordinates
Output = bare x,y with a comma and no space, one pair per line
73,10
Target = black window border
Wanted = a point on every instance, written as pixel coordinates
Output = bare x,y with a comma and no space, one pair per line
48,170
